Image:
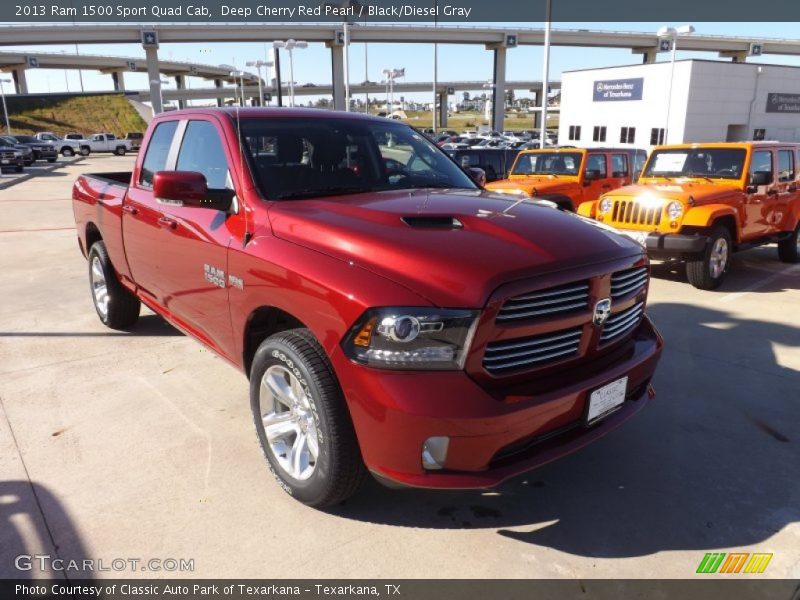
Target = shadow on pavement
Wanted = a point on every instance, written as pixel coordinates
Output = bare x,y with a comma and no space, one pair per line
711,463
147,325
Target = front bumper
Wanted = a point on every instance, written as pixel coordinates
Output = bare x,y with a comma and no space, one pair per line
494,434
675,243
45,154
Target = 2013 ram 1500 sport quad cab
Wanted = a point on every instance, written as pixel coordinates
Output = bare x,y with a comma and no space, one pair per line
392,317
701,202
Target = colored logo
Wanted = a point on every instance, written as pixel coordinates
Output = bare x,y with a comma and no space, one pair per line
735,562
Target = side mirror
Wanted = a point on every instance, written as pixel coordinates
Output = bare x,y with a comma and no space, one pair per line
758,178
591,174
477,175
189,188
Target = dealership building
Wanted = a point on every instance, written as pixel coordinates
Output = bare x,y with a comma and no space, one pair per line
711,101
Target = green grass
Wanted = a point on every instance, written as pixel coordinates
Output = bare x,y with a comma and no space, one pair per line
85,114
462,121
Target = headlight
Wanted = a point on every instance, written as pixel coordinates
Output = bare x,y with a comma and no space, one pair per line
412,338
605,205
674,210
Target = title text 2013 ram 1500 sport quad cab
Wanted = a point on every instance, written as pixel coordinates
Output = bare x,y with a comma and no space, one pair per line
571,176
700,202
392,317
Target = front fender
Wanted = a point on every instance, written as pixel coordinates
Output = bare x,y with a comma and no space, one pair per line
588,209
564,202
705,215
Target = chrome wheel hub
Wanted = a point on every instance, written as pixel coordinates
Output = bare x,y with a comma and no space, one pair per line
719,257
99,287
289,424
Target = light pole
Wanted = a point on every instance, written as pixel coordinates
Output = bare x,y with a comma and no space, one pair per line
290,45
5,110
391,75
489,85
545,74
240,75
671,33
159,83
258,64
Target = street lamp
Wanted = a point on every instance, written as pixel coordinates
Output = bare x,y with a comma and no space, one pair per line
159,83
5,110
258,64
671,34
390,75
290,45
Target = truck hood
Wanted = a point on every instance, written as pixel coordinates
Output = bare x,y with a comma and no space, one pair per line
702,191
452,247
543,184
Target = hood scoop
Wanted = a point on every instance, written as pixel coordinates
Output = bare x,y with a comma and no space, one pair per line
432,222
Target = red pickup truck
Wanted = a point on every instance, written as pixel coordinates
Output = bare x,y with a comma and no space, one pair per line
391,316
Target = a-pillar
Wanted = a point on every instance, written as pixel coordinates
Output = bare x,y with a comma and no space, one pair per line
154,79
218,85
499,89
443,101
119,81
337,75
20,82
180,83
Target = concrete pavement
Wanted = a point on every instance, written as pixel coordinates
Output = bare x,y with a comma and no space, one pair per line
140,445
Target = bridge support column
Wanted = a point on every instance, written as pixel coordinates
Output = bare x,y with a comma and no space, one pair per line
119,81
218,85
537,116
499,89
20,81
180,83
443,99
154,79
337,76
649,55
735,55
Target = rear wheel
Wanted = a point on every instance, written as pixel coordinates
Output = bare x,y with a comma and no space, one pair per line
85,150
51,160
789,249
116,306
68,151
120,151
708,269
302,421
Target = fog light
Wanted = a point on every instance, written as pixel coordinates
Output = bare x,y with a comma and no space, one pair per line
434,453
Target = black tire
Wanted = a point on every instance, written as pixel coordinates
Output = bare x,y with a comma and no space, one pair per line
120,151
123,307
51,160
85,150
18,169
700,270
338,470
789,249
67,151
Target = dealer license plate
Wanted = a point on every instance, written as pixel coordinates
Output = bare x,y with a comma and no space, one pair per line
640,237
607,399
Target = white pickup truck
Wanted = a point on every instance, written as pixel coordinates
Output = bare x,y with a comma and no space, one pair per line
108,142
64,147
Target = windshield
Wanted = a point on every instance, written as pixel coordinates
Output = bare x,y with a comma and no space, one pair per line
548,163
299,158
723,163
26,139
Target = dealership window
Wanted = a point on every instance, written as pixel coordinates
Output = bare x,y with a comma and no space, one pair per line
597,162
656,136
785,165
157,151
599,134
759,134
619,165
627,135
574,132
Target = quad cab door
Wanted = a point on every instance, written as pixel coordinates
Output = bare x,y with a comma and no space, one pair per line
779,211
594,188
759,199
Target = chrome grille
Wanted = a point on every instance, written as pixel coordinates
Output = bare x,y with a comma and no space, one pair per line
533,351
630,281
621,323
630,211
7,155
549,302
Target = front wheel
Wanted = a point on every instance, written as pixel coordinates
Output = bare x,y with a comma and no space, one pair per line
707,271
116,306
789,249
18,169
120,151
302,421
51,160
85,150
68,152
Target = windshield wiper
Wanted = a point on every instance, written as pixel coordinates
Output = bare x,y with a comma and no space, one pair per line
317,193
701,176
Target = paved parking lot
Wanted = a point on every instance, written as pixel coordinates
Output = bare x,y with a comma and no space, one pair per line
140,445
36,169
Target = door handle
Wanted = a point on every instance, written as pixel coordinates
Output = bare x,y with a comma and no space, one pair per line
167,222
130,209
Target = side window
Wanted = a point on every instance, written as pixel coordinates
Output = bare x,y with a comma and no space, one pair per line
785,165
619,165
639,158
597,162
627,135
157,151
761,162
599,133
574,132
201,151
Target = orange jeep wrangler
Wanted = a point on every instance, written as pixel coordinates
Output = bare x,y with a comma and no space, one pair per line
570,176
700,202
